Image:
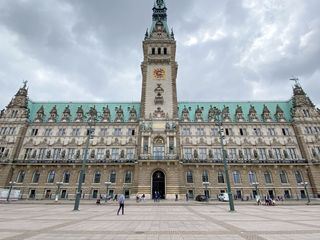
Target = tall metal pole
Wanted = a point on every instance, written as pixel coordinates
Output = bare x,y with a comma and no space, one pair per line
231,204
82,171
305,188
10,189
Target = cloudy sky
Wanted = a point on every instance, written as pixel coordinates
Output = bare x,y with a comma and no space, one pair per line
79,50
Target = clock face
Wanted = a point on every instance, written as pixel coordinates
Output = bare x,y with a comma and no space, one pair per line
159,73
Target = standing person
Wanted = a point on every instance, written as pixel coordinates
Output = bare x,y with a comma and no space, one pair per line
187,197
121,204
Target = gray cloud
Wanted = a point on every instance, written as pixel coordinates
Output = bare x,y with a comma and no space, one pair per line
226,50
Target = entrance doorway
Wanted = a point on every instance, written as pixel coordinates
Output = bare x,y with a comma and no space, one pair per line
158,184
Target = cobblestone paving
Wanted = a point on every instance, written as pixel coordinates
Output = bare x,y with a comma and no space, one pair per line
158,221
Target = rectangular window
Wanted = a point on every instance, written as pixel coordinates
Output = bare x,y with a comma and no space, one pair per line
247,153
292,153
187,153
186,131
56,153
243,131
262,153
115,153
48,132
75,132
159,50
117,132
232,152
103,132
285,131
11,131
131,131
271,132
100,153
42,153
215,132
27,154
130,153
202,153
200,131
153,51
62,132
158,152
34,132
217,154
71,153
257,131
165,51
277,153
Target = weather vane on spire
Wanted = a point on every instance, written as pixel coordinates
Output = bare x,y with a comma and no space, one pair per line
295,79
24,83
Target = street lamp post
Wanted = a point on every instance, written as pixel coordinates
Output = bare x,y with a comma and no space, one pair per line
206,184
219,123
305,184
107,186
59,184
10,189
256,184
83,168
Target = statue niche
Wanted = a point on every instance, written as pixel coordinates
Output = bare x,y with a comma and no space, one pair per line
106,114
198,114
158,100
185,114
66,114
119,114
133,114
40,115
79,117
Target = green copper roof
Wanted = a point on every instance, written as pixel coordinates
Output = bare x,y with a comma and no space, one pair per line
73,106
192,106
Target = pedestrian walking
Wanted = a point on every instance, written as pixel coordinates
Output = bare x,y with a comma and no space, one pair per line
121,204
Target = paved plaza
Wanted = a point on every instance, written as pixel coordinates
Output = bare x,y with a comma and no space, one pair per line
159,221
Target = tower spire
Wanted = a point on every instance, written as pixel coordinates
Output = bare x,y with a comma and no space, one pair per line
159,25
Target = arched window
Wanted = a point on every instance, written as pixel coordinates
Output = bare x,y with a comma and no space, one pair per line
35,176
66,177
51,176
267,177
20,177
236,177
189,177
205,176
83,178
298,176
283,177
252,177
128,177
220,177
113,176
97,177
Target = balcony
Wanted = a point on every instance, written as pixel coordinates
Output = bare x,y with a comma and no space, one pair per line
242,161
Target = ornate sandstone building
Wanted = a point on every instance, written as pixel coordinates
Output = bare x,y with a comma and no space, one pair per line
160,144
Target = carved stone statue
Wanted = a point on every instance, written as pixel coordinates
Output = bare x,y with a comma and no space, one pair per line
119,114
252,114
93,114
122,154
198,114
185,114
239,114
79,117
40,115
106,114
279,115
133,114
225,114
195,154
108,154
266,114
53,114
66,114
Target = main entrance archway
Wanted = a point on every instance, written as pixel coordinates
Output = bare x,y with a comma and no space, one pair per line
158,184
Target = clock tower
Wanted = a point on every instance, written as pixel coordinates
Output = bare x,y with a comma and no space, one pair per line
159,69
